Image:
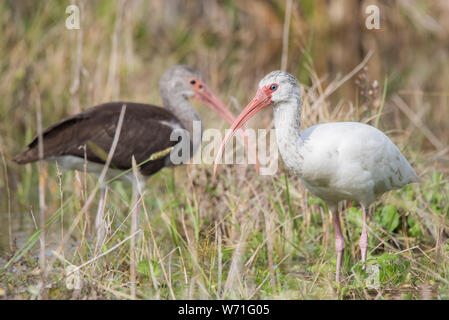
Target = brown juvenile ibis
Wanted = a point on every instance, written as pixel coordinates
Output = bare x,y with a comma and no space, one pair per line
145,131
335,161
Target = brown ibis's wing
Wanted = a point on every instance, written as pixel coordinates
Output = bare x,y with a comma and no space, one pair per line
145,131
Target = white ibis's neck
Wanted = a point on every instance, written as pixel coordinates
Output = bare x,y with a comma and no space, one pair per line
287,120
180,106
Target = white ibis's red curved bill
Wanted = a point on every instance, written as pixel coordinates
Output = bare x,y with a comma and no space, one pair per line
205,95
261,100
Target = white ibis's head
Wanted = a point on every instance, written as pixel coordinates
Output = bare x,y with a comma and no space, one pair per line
275,88
182,81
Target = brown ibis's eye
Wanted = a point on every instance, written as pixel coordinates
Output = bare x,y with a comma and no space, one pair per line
200,86
192,81
273,87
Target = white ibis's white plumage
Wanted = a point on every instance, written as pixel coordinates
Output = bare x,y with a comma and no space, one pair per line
335,161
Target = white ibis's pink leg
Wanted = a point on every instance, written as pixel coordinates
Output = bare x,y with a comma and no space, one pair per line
363,243
349,204
339,243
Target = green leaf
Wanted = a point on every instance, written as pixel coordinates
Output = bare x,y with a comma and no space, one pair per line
143,267
389,218
414,228
387,257
317,201
354,216
97,150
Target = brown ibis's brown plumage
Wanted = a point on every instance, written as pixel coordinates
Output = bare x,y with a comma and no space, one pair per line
145,130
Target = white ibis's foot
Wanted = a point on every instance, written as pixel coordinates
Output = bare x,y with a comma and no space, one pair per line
363,243
340,248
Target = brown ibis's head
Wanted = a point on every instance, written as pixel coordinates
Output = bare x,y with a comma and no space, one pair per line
185,82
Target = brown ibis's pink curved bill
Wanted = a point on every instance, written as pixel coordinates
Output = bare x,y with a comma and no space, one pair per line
205,95
260,101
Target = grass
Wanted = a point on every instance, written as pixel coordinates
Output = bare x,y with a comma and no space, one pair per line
223,253
242,235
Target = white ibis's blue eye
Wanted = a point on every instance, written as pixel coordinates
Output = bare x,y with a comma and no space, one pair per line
192,81
273,87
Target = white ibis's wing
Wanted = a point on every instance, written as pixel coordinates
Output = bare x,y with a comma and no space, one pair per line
345,157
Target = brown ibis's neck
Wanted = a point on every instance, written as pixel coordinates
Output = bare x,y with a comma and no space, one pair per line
287,120
190,119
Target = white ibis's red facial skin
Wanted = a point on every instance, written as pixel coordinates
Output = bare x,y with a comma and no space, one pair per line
262,99
206,96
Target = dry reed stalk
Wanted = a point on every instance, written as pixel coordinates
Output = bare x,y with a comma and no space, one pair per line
236,269
218,236
78,64
285,33
42,206
336,84
270,245
416,120
134,222
113,145
8,194
61,196
112,87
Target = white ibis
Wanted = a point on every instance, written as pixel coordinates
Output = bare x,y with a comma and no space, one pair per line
335,161
145,130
